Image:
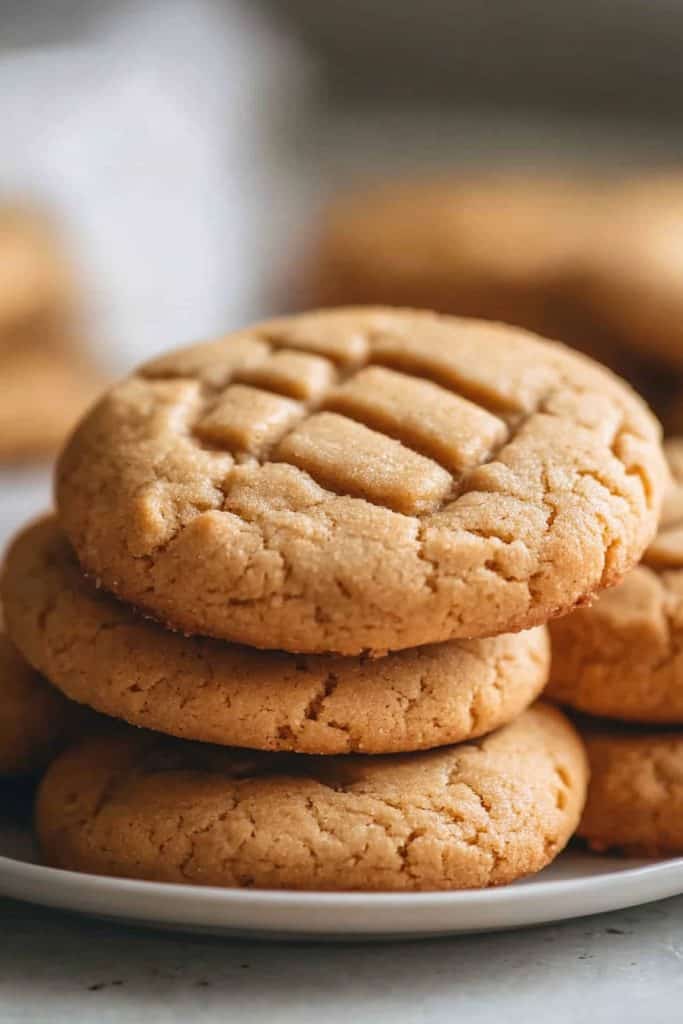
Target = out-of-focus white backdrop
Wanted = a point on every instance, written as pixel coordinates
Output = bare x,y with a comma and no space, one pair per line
149,132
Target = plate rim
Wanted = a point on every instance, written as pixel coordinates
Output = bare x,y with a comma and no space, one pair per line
514,893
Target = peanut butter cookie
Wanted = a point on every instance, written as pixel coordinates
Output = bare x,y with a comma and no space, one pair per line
622,657
365,479
635,796
36,720
477,814
101,653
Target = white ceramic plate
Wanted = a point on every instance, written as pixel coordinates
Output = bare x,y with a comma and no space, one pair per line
577,884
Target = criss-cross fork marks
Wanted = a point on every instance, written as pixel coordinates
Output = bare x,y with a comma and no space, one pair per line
395,421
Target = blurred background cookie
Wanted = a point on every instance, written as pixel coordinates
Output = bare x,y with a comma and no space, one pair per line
42,395
37,290
636,267
549,253
497,247
46,377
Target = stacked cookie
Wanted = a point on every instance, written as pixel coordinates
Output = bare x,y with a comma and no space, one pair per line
45,380
622,660
37,720
331,542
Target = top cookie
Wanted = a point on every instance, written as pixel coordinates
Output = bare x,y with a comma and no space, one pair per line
363,479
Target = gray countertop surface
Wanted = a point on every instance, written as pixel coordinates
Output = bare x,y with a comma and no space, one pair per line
625,967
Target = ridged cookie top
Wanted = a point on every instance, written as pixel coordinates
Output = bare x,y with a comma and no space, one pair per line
362,479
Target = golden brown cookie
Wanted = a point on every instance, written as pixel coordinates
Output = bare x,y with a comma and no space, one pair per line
635,796
42,395
499,247
36,287
462,817
622,657
365,479
35,721
99,652
636,267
